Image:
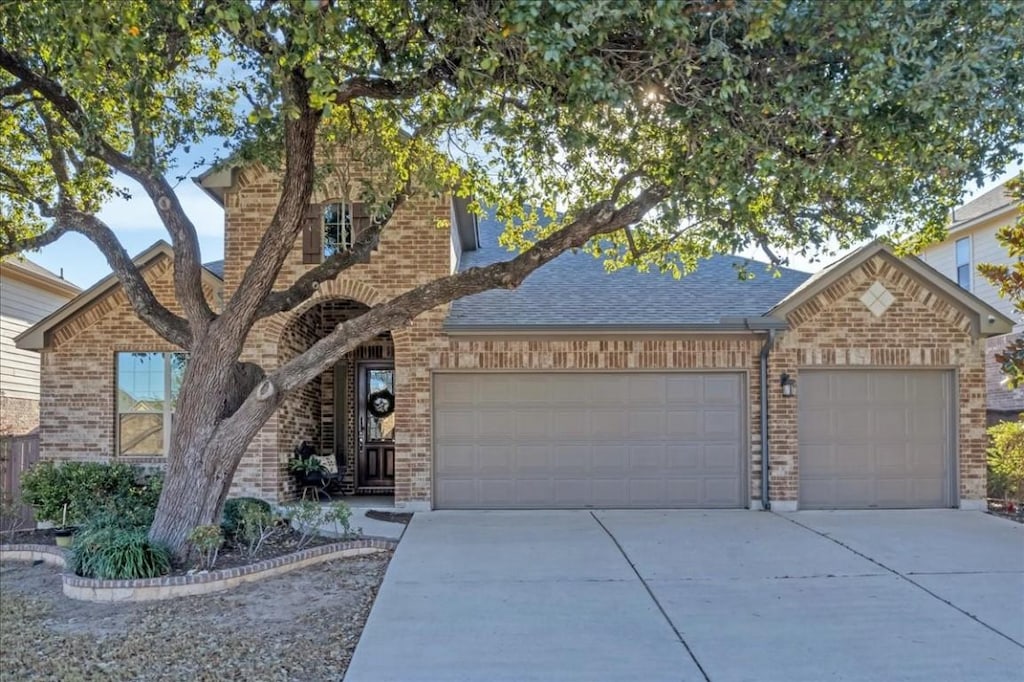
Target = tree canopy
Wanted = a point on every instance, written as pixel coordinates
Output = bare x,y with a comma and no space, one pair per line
651,132
771,123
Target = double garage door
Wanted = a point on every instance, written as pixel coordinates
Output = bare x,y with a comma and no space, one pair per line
578,440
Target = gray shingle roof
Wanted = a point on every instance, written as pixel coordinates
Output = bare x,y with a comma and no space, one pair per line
996,198
216,267
575,291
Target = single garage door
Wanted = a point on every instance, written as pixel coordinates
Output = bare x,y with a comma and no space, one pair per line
561,440
875,439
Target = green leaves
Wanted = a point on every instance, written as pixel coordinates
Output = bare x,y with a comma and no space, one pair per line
789,124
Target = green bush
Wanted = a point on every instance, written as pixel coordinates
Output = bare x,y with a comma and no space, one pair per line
206,542
89,489
310,517
256,524
1006,461
110,552
233,511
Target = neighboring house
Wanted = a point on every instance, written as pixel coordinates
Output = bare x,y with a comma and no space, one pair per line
972,241
28,293
579,389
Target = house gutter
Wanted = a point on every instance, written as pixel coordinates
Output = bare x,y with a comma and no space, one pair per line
726,325
766,503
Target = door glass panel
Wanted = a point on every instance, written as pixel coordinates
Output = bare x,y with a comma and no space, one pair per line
380,428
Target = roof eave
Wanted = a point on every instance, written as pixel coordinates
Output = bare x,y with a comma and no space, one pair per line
52,284
1008,209
746,325
215,181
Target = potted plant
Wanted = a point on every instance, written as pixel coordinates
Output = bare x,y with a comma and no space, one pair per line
307,468
64,535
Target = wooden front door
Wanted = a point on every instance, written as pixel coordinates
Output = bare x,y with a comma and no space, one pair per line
376,455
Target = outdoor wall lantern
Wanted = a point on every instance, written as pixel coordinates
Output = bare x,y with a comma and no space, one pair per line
788,385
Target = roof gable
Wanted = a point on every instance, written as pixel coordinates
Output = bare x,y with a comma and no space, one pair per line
36,337
985,320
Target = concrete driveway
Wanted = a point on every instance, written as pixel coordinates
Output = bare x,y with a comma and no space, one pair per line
699,595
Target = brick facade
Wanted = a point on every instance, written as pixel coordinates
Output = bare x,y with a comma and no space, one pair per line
919,330
834,329
78,382
18,416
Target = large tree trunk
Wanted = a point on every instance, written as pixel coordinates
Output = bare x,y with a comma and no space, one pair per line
206,446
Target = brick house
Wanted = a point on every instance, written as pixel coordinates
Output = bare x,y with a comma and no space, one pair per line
578,389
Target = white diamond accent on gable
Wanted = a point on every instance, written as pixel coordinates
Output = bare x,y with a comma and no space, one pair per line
877,299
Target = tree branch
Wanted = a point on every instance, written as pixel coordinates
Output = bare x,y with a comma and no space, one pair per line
11,246
602,218
386,88
165,323
187,267
279,237
303,288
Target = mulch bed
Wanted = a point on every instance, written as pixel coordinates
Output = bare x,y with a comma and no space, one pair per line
302,626
29,537
394,517
285,541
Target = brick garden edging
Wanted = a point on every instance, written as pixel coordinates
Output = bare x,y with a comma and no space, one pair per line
170,587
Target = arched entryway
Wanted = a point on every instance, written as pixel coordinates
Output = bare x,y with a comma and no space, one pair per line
347,413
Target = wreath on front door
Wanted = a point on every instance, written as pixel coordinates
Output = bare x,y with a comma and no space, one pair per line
380,403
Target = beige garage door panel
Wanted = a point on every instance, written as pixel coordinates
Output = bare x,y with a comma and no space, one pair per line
875,439
588,440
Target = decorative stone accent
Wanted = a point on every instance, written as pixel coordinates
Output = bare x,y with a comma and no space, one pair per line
877,299
170,587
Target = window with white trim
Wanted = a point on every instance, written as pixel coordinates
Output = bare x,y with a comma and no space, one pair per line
337,220
147,393
332,228
963,263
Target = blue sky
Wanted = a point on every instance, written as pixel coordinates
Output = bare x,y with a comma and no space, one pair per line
137,225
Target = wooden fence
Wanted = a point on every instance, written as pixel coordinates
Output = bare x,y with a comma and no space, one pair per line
17,453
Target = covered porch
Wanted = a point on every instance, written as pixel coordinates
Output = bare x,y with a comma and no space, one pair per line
344,420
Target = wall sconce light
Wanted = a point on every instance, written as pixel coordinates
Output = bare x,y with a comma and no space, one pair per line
788,385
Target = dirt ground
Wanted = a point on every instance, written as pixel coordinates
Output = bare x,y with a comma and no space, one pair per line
300,626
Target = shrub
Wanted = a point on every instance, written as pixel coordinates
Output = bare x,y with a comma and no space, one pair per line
114,553
1006,461
206,541
339,515
89,489
232,512
309,517
11,519
256,525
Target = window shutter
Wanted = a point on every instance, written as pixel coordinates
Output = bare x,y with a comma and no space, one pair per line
360,220
313,235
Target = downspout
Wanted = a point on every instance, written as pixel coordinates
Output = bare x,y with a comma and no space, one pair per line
766,503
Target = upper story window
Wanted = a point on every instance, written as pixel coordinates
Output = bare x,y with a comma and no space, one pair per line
963,262
147,394
337,229
331,227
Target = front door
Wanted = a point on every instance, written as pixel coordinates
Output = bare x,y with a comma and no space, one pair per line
376,460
